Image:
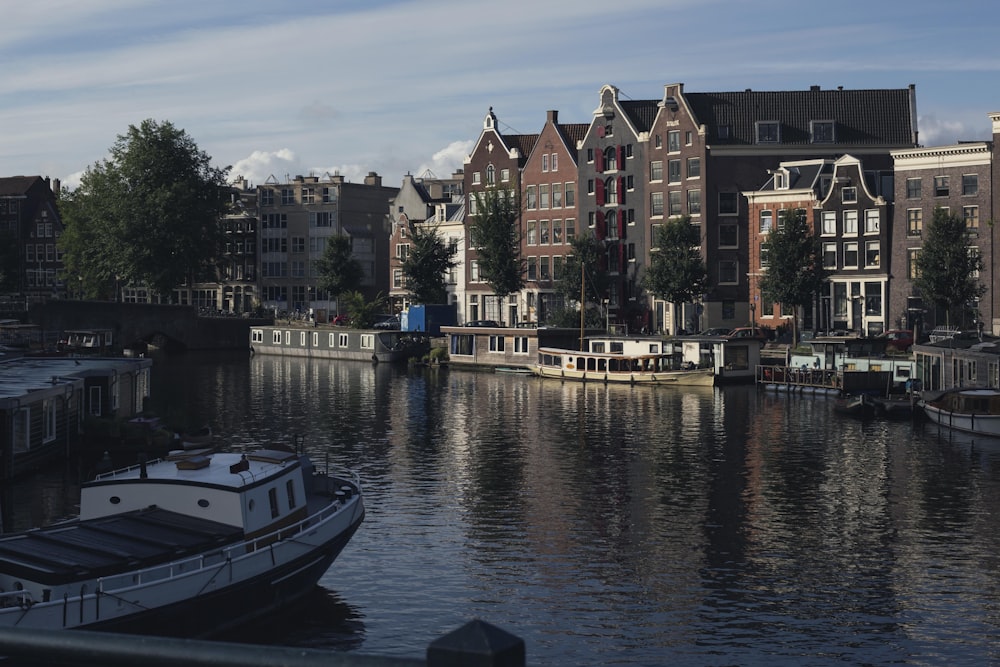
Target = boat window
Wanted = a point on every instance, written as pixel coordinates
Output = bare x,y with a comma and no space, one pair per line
251,505
115,500
617,347
202,502
272,497
290,488
597,347
602,365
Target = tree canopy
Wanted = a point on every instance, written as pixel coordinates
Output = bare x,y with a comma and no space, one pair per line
338,271
361,313
795,272
495,235
583,264
676,271
947,271
149,214
427,264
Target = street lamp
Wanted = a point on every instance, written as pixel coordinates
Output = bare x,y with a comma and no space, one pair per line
753,318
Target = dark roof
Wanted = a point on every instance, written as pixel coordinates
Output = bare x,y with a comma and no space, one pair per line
17,185
523,142
863,117
642,113
573,133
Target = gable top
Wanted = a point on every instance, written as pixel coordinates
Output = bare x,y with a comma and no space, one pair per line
516,146
641,113
862,117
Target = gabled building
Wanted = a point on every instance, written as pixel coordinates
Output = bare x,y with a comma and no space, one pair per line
551,222
959,178
30,224
495,162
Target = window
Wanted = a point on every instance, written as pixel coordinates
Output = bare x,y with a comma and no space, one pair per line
543,269
872,254
402,251
850,223
543,232
555,162
328,195
287,196
849,195
914,221
496,343
765,255
272,498
674,202
871,221
611,191
570,194
520,345
320,219
532,233
673,171
491,175
728,271
728,203
290,492
532,198
694,202
829,255
298,244
473,205
768,132
476,178
940,186
911,263
829,223
308,196
970,184
557,231
545,162
688,138
532,268
728,235
822,131
557,195
658,141
851,255
397,278
913,188
570,227
971,216
543,196
674,141
766,219
656,203
694,167
656,170
610,159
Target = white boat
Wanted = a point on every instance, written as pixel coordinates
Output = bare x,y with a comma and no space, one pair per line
186,546
639,360
973,410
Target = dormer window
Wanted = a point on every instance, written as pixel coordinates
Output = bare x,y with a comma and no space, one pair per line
780,180
768,132
822,131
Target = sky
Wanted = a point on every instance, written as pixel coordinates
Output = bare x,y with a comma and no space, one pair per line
280,89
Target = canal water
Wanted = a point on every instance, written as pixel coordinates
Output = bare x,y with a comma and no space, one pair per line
616,525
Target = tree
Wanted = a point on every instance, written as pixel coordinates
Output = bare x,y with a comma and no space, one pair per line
947,271
362,313
427,263
494,233
584,264
795,272
337,270
148,214
676,271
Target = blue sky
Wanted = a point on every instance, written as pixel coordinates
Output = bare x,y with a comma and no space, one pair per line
397,86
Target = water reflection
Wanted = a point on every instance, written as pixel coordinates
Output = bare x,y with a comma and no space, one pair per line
625,524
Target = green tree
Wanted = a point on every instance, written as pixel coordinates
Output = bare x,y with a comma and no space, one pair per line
795,272
148,214
427,264
338,271
676,271
362,313
583,264
494,233
946,269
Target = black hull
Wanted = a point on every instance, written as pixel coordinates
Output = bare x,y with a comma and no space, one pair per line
212,614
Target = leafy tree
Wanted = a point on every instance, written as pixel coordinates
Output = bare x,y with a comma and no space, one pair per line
494,232
946,269
584,264
427,263
795,272
338,271
362,313
148,214
676,271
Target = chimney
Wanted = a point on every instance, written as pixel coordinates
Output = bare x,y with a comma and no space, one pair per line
553,116
56,187
373,179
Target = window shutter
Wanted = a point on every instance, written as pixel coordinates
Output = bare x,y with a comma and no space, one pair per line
621,189
598,160
621,224
599,192
621,158
600,232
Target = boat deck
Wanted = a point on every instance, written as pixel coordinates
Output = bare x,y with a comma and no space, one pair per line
82,550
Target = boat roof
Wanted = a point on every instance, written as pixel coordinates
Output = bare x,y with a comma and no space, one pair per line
229,470
82,550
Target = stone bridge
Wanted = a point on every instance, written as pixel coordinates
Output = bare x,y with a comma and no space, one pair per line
176,327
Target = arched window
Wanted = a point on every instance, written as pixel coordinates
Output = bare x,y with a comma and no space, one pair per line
611,190
610,159
491,175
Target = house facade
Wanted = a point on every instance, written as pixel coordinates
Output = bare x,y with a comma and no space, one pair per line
30,223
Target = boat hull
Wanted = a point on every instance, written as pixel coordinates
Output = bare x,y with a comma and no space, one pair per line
969,423
692,378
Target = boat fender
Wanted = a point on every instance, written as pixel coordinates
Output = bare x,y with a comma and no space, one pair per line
252,351
374,358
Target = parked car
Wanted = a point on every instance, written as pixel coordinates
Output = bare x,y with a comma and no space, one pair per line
482,323
900,339
717,331
760,333
386,322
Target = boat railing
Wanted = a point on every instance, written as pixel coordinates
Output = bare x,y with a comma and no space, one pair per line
16,598
233,552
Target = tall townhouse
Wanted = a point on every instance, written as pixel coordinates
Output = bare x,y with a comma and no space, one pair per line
793,186
496,161
30,223
613,175
230,285
958,178
296,219
551,223
426,200
734,138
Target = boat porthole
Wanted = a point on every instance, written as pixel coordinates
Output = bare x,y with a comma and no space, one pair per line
115,500
202,502
250,505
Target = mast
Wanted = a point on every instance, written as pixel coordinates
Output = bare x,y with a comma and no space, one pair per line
582,302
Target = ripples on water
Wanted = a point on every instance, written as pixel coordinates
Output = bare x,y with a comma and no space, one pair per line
619,525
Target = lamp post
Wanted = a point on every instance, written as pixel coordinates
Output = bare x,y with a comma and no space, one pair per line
753,318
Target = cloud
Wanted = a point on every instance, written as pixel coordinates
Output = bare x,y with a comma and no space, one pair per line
259,166
448,160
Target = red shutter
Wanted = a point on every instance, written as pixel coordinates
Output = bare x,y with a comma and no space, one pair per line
621,224
599,192
600,232
621,158
598,160
621,189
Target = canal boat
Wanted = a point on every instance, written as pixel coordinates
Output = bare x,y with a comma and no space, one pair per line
638,360
190,545
374,345
972,410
